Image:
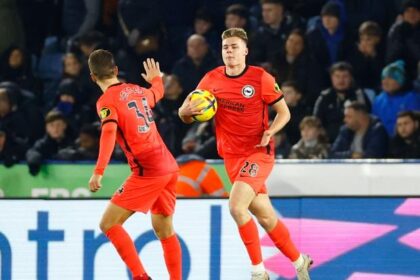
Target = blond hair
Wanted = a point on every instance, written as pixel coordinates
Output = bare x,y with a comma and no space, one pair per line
235,32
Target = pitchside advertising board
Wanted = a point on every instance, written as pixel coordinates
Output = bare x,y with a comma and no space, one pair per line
288,178
349,238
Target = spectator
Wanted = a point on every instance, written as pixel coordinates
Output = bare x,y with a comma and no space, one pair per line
329,40
86,146
362,136
198,60
297,107
270,36
56,137
406,142
204,26
295,63
166,116
74,68
89,42
12,150
393,99
404,38
314,143
25,103
200,140
329,106
16,67
237,16
367,57
68,103
12,121
197,178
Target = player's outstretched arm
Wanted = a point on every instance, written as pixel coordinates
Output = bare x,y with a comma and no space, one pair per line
190,108
152,69
281,119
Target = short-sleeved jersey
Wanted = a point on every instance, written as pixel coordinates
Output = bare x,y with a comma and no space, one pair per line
242,114
130,106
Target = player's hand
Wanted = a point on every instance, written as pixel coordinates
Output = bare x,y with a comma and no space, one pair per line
191,107
95,182
265,139
152,69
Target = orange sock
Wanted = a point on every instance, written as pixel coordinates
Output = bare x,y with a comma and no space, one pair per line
126,249
281,238
249,235
173,256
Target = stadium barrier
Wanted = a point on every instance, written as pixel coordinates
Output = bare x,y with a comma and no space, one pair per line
288,178
349,238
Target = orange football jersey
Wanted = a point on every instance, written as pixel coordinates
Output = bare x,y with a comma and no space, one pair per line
130,106
242,114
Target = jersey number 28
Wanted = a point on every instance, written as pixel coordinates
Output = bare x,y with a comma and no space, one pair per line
144,113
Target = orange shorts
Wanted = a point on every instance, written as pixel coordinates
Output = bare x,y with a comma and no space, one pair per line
142,194
253,170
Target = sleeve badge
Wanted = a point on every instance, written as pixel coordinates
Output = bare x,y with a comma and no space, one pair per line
104,113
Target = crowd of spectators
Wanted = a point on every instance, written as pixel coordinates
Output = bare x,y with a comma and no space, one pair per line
349,70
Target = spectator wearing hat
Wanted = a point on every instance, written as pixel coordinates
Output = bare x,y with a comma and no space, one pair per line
271,35
16,67
362,136
329,41
367,56
406,142
393,98
56,137
68,103
329,107
404,38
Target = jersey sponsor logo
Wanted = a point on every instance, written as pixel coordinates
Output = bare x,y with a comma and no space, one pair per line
104,113
248,91
231,105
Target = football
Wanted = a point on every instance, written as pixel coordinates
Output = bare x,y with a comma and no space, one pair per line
209,105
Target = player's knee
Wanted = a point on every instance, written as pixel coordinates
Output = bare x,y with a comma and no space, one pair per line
237,211
105,226
267,222
163,233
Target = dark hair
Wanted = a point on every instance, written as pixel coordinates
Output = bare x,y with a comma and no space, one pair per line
102,64
277,2
237,10
92,38
413,116
292,84
54,115
410,4
358,107
341,66
90,129
370,28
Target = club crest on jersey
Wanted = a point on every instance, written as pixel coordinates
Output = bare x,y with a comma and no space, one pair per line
104,113
248,91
